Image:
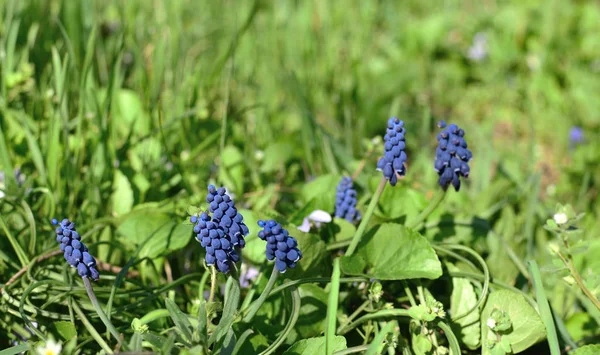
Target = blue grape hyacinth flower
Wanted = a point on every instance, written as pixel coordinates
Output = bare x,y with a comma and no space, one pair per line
75,252
345,201
280,245
226,215
393,162
218,244
452,156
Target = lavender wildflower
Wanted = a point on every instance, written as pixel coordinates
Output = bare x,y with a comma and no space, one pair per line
451,156
280,245
75,252
394,159
576,136
345,201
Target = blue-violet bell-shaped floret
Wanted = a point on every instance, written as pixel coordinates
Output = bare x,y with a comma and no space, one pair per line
226,215
75,252
280,245
345,201
393,162
218,245
451,156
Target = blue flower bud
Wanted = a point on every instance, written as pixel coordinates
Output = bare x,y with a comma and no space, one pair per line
345,204
280,246
75,252
452,156
392,164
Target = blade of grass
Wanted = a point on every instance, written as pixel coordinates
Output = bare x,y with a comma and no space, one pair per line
544,308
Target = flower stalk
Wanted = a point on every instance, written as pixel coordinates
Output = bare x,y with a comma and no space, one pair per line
365,221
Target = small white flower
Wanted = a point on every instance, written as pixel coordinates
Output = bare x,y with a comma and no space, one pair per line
51,348
317,217
491,323
560,218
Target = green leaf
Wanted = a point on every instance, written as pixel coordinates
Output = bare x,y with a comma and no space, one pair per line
313,346
527,327
463,298
393,252
421,345
315,258
346,229
313,311
122,196
233,168
399,201
180,319
322,190
255,247
232,300
15,349
592,349
420,312
135,343
155,340
202,322
157,231
66,329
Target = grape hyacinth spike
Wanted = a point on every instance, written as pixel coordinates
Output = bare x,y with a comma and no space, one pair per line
393,162
218,245
345,201
281,247
75,252
451,156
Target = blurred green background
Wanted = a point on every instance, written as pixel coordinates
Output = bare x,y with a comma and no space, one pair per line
109,107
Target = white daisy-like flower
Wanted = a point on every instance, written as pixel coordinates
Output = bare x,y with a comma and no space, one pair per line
560,218
491,322
50,348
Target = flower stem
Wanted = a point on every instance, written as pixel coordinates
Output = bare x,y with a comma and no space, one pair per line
571,265
90,291
437,199
213,283
91,329
263,296
363,224
290,325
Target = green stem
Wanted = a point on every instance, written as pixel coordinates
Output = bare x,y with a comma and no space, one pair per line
380,314
409,294
452,340
363,224
544,308
213,283
101,314
15,244
263,296
290,325
435,202
93,332
354,314
379,338
332,307
352,350
577,277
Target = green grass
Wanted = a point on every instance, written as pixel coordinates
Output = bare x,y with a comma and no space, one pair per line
119,114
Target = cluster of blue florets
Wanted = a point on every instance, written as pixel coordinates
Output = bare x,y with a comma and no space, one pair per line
394,158
75,252
280,245
345,201
451,156
222,233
